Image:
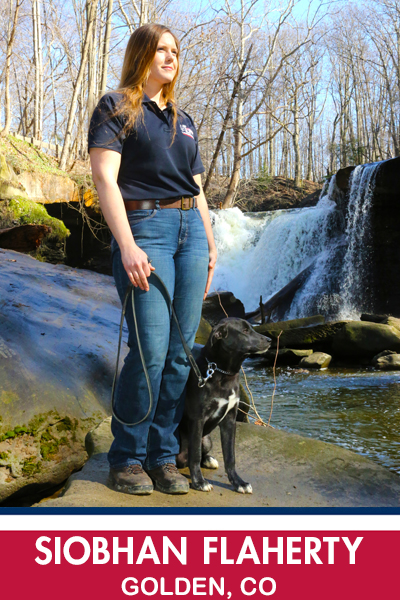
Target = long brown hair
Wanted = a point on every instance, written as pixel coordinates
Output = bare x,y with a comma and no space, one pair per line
139,56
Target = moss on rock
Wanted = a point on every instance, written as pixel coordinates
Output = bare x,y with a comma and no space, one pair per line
25,212
31,466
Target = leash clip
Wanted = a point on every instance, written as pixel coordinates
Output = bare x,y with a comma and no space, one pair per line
211,370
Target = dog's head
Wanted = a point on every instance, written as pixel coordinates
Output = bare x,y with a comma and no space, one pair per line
233,335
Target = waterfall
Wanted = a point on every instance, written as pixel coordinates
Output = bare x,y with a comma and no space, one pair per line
355,291
260,253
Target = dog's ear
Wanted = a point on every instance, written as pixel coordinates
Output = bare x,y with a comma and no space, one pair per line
219,332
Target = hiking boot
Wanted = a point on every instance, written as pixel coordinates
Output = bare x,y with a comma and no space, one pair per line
167,479
131,480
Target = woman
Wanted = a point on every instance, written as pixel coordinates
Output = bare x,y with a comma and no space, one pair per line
147,170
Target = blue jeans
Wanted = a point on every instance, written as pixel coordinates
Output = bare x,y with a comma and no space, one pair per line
176,242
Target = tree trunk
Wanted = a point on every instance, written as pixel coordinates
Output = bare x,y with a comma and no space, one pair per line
296,144
10,44
237,156
227,118
65,154
106,49
91,100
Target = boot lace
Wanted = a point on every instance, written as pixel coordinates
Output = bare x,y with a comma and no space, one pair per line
170,468
134,469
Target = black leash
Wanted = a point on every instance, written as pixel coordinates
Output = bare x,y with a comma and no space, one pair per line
130,291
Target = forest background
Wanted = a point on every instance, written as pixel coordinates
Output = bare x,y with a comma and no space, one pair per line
296,89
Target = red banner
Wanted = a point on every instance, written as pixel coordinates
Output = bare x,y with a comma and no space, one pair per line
230,564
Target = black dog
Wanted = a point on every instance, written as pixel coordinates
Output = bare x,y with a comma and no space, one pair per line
230,342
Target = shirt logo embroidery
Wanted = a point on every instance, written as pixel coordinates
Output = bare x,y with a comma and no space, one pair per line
186,131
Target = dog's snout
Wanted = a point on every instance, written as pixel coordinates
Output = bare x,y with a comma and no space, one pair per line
259,343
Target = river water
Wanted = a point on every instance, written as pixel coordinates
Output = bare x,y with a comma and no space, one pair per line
259,253
357,408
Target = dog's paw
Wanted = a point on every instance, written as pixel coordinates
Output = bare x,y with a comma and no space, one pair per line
204,486
209,462
244,489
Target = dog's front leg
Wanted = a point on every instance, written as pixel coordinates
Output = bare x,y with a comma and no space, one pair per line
195,438
228,433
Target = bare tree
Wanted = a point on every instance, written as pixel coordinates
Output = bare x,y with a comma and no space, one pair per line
91,12
11,32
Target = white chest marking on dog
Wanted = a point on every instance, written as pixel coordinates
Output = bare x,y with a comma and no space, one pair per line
225,405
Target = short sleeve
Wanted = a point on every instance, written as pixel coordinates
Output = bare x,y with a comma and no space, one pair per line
106,128
197,166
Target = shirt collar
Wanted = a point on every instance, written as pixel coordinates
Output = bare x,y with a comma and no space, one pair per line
146,100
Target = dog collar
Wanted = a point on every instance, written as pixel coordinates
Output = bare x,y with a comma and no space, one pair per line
212,367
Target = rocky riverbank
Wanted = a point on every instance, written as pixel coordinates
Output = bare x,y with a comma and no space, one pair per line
284,470
58,335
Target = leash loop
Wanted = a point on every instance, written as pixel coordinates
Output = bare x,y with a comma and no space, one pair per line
130,291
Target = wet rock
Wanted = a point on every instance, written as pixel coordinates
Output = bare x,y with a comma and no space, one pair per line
392,321
362,339
315,336
381,354
382,319
316,360
291,324
372,318
58,338
212,311
284,469
390,362
287,356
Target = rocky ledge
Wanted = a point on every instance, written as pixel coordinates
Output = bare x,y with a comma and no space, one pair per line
284,470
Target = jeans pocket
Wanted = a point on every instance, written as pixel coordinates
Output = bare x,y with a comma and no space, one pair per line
138,216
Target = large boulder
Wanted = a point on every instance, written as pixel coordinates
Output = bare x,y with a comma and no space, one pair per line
266,328
314,336
58,339
287,356
390,362
392,321
361,339
213,312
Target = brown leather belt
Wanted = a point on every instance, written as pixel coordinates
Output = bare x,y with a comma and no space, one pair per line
182,203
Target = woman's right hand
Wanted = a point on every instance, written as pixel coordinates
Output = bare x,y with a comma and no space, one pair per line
137,266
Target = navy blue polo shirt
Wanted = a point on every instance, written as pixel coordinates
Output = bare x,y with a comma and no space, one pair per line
151,166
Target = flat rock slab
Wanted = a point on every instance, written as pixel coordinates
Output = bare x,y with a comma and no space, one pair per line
284,469
58,339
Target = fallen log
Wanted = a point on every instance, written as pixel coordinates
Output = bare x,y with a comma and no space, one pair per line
284,295
23,238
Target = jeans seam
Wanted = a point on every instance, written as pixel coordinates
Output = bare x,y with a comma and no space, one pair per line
165,461
127,463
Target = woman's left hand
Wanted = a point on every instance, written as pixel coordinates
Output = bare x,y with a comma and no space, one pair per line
211,266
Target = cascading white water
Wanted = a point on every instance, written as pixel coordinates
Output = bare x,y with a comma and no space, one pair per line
353,287
260,253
